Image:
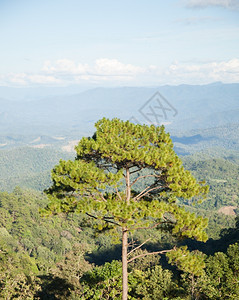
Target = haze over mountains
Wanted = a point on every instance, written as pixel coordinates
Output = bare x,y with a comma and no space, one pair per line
28,113
40,126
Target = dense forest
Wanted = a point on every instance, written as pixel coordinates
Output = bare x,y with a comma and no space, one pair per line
66,256
63,257
28,167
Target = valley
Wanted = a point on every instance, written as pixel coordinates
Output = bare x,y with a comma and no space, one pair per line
36,135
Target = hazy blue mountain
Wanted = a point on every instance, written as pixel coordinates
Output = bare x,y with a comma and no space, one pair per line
186,107
34,93
214,119
215,141
191,140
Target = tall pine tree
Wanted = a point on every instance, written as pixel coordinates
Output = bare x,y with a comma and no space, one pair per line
101,182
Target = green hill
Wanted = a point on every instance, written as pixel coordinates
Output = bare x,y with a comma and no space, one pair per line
28,167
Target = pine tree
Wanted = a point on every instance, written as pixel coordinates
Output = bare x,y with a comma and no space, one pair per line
101,182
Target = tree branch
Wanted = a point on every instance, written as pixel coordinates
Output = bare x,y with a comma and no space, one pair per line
92,216
103,219
138,246
146,191
135,198
102,197
135,171
117,192
151,253
108,221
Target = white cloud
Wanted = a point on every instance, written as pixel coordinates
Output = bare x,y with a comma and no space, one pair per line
230,4
225,71
114,67
43,79
111,71
101,67
19,78
66,71
24,79
64,66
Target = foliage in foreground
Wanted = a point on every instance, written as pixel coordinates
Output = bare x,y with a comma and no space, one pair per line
29,274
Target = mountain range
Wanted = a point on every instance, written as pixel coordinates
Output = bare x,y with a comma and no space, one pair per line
181,108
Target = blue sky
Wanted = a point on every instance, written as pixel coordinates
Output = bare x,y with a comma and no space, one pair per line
112,43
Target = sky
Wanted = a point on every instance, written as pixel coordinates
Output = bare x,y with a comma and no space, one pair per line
118,43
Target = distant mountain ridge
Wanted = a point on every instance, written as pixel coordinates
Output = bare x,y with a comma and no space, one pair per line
197,107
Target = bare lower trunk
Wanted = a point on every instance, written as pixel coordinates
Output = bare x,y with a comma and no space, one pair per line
125,243
124,264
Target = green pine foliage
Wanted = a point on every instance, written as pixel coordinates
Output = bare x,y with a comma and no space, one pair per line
99,183
81,185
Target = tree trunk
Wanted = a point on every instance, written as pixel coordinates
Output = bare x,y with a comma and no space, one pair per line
125,243
124,264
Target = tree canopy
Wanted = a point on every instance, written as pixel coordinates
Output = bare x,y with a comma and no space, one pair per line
101,182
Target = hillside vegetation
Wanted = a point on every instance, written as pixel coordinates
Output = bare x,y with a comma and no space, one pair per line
28,167
51,258
66,256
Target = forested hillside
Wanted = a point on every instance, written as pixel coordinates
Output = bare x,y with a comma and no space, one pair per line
28,167
45,258
66,256
222,176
